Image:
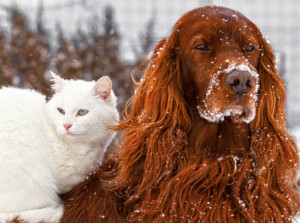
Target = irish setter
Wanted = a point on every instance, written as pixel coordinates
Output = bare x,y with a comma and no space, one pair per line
205,139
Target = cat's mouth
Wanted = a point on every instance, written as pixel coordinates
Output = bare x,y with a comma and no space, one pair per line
69,136
68,133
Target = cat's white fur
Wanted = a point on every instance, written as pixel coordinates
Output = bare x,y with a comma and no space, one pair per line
39,158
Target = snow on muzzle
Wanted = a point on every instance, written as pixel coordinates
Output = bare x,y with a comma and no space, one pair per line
242,78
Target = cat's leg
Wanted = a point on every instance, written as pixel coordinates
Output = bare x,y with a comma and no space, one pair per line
47,214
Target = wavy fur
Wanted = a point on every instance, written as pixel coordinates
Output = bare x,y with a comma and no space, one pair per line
175,166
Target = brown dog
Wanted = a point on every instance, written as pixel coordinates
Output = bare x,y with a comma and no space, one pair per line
206,138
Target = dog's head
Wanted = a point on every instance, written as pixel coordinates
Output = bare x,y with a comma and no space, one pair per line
220,52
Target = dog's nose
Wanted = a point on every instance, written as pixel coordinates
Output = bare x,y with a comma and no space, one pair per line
239,81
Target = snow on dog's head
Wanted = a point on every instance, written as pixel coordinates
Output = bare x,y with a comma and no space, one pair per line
228,99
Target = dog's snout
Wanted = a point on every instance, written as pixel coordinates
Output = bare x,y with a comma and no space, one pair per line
240,82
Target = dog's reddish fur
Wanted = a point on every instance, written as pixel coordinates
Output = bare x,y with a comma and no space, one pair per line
175,166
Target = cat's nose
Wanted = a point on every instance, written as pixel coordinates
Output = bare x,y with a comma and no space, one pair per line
67,126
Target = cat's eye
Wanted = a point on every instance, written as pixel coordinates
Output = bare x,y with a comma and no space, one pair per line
61,111
82,112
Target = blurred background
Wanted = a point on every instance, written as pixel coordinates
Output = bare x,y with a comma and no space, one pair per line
91,38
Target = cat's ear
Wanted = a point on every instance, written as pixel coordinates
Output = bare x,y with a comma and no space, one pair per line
102,87
58,82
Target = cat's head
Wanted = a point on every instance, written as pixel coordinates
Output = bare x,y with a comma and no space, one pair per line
79,109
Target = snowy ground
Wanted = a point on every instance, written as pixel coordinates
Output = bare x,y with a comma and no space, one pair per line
296,133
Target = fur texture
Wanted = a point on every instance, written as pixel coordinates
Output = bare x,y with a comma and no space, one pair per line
193,150
40,157
80,149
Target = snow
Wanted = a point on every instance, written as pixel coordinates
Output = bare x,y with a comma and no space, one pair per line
216,116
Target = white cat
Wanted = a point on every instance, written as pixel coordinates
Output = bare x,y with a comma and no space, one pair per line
48,148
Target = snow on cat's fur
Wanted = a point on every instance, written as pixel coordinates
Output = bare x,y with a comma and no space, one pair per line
48,148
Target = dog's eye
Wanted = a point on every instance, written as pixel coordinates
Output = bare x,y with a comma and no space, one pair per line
202,47
249,48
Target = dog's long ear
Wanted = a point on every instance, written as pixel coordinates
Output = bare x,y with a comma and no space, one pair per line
158,121
271,103
270,112
161,88
273,150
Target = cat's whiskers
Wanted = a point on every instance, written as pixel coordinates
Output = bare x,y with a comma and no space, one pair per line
59,135
84,132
